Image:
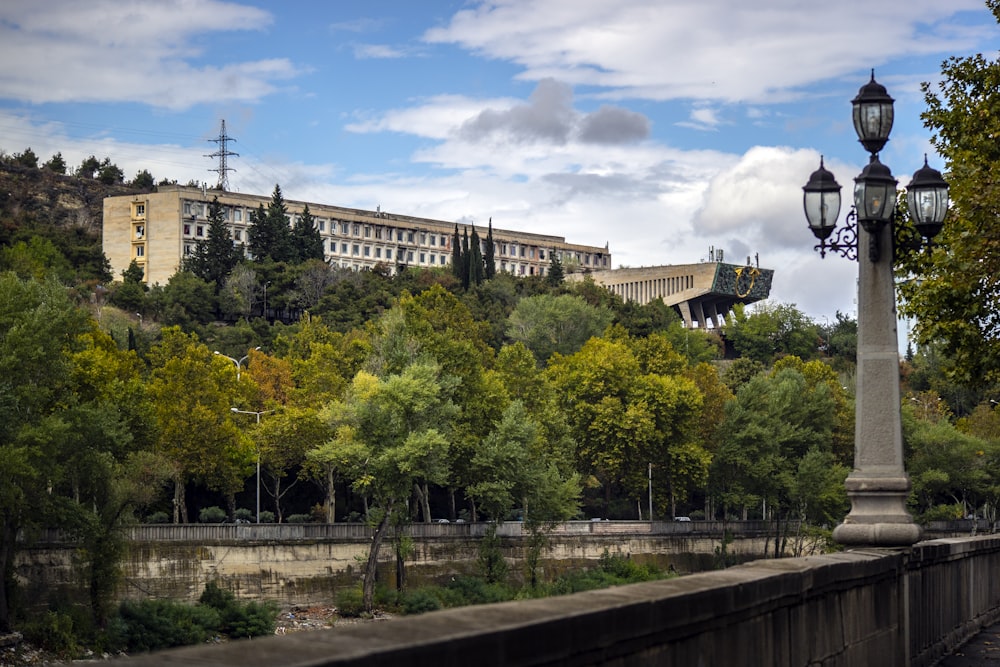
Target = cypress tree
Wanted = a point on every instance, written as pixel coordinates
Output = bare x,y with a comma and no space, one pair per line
465,259
457,267
489,258
555,274
306,240
475,259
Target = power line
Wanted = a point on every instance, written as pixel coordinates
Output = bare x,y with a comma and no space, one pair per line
222,154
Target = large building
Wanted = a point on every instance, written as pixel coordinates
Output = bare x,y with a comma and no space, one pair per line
159,229
702,293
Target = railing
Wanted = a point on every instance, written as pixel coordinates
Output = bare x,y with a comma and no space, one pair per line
287,532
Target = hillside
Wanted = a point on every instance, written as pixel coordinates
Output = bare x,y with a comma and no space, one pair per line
65,210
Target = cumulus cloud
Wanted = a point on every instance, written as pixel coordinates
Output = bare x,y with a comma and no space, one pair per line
143,52
698,49
613,125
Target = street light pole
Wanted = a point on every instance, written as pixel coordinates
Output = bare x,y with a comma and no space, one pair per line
878,486
238,362
258,414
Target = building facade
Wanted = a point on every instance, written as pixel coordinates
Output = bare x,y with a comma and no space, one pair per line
159,229
703,293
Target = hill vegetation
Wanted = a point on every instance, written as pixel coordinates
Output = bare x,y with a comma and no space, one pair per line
415,395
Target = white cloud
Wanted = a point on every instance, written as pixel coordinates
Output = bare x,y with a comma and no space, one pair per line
702,49
141,51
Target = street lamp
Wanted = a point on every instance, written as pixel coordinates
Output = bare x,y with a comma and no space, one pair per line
258,414
238,362
878,486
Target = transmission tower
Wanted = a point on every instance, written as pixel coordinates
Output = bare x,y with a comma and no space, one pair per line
222,154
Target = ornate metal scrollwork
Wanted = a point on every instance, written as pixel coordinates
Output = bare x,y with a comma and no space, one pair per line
845,239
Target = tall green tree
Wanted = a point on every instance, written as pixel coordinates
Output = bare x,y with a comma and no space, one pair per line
307,243
956,297
270,236
458,268
489,257
39,329
548,324
214,258
475,259
398,429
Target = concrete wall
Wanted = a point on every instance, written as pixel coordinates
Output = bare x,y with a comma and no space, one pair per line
305,564
876,607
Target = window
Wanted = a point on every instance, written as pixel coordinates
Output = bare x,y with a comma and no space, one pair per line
423,258
541,254
357,229
399,234
522,251
368,232
378,252
322,225
333,246
409,237
444,241
409,255
238,215
368,251
199,231
187,248
140,211
433,258
388,253
343,248
140,231
423,239
433,240
378,232
187,230
345,228
355,249
238,235
140,250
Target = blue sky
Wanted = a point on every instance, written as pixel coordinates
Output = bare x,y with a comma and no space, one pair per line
662,128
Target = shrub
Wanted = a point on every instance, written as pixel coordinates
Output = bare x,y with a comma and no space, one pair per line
473,590
158,517
237,619
54,632
212,514
243,514
152,625
624,568
350,602
420,601
299,518
267,517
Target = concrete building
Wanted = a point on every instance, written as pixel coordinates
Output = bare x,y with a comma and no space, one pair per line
701,293
159,229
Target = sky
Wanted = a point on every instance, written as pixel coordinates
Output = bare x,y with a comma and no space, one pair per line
662,128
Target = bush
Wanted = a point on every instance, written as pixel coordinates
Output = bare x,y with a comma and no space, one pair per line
420,601
236,619
473,590
267,517
624,568
244,515
152,625
158,517
54,632
299,518
350,602
212,514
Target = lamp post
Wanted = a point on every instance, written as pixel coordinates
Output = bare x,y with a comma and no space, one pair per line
258,414
238,362
878,486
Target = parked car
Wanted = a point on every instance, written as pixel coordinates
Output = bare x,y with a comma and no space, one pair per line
682,518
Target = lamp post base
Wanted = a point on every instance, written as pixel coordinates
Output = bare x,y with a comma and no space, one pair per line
878,516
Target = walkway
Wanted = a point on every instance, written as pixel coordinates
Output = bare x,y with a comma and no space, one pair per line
983,649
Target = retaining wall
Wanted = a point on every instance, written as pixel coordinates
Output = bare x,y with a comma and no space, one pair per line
879,607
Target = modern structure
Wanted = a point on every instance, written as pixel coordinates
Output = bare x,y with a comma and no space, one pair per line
701,293
159,229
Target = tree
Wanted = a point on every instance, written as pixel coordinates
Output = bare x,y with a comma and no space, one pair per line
239,295
772,332
547,324
956,297
39,328
88,168
283,440
269,235
475,259
306,240
109,173
26,159
397,428
56,164
144,181
489,257
191,390
555,275
458,267
214,258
